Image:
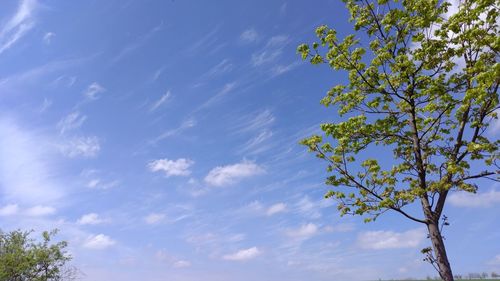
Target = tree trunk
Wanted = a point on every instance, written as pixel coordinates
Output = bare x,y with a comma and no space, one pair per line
443,265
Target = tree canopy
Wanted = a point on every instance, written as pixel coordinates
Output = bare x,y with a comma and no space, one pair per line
22,258
423,79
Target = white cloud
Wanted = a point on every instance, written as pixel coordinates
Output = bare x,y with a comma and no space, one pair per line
163,256
9,210
28,172
98,242
277,41
249,36
39,211
160,101
272,50
243,255
303,232
222,67
72,121
64,80
257,144
137,43
206,42
225,175
45,105
227,88
18,25
154,218
276,208
91,218
181,264
479,200
186,124
93,90
307,208
281,69
97,183
377,240
254,207
257,121
47,38
81,147
179,167
95,179
342,227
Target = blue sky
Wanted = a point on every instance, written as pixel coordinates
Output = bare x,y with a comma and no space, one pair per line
161,138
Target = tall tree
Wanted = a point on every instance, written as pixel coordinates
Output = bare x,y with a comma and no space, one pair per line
423,79
22,258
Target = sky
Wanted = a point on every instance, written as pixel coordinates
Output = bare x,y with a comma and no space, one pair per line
161,139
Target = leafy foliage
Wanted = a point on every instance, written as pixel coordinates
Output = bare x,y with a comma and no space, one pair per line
423,80
425,87
22,258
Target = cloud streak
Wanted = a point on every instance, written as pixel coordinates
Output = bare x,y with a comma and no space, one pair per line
164,98
18,25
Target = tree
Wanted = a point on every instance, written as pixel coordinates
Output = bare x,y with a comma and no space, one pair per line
22,258
423,81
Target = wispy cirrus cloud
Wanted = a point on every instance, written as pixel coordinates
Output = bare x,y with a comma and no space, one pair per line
95,179
249,36
230,174
256,121
98,183
227,88
73,120
271,51
256,207
18,25
186,124
33,76
163,99
82,146
93,90
154,218
163,256
45,105
257,144
48,36
225,66
282,69
206,42
133,46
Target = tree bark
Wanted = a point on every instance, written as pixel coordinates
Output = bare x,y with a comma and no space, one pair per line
441,259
